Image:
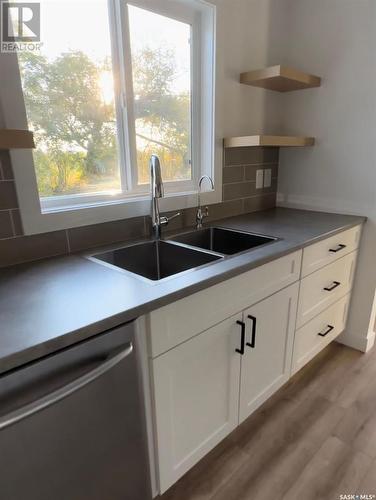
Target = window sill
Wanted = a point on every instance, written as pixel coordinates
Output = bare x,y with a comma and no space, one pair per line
53,219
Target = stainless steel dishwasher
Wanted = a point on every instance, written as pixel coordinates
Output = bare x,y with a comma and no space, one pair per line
72,425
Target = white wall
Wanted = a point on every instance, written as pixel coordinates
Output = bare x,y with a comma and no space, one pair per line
336,39
248,37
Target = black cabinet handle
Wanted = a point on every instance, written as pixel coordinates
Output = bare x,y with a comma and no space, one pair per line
253,335
242,342
337,249
324,334
331,288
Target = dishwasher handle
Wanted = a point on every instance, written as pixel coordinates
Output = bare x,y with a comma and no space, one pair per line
56,396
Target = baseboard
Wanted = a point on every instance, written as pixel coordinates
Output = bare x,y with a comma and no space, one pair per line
360,343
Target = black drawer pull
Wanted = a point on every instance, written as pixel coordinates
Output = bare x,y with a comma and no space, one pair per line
331,288
253,335
242,342
324,334
337,249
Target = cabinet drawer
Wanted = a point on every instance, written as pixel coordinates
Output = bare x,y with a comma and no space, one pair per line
319,332
324,287
324,252
175,323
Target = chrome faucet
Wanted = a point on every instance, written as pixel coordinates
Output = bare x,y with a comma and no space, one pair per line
157,192
202,214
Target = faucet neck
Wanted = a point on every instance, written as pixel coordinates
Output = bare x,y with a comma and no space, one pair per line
155,218
200,213
156,177
156,193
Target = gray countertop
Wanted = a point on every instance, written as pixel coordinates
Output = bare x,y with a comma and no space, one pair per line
51,304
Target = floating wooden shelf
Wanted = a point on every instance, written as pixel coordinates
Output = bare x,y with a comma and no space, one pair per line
16,139
280,78
268,140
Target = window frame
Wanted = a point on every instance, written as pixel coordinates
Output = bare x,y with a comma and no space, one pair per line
122,48
102,207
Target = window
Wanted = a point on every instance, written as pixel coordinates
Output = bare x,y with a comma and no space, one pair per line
69,100
161,69
113,83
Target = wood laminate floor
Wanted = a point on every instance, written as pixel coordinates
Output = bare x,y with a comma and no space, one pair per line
314,439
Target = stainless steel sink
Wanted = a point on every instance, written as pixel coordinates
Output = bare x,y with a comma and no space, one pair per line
221,240
156,260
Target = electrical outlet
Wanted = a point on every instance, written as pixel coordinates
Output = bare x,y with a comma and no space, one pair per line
267,177
259,179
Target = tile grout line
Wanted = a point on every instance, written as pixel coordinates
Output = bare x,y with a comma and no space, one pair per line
257,195
12,223
16,237
268,163
68,240
261,195
238,182
244,181
145,226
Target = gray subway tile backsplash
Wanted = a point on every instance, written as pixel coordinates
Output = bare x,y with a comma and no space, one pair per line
81,238
219,211
238,190
261,202
37,246
239,196
251,156
6,226
233,174
6,171
250,171
246,189
17,222
8,197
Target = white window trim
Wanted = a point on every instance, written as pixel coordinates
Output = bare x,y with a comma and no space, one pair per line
99,208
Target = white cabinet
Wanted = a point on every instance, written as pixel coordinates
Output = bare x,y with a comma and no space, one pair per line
266,363
319,332
196,390
198,387
324,287
203,387
329,250
177,322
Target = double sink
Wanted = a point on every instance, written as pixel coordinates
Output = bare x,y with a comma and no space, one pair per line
160,259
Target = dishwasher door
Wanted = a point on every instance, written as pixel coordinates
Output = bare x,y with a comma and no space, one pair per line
72,425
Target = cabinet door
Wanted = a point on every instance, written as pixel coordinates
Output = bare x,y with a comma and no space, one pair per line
266,366
196,389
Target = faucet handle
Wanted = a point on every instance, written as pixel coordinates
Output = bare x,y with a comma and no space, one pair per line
165,220
201,215
178,214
